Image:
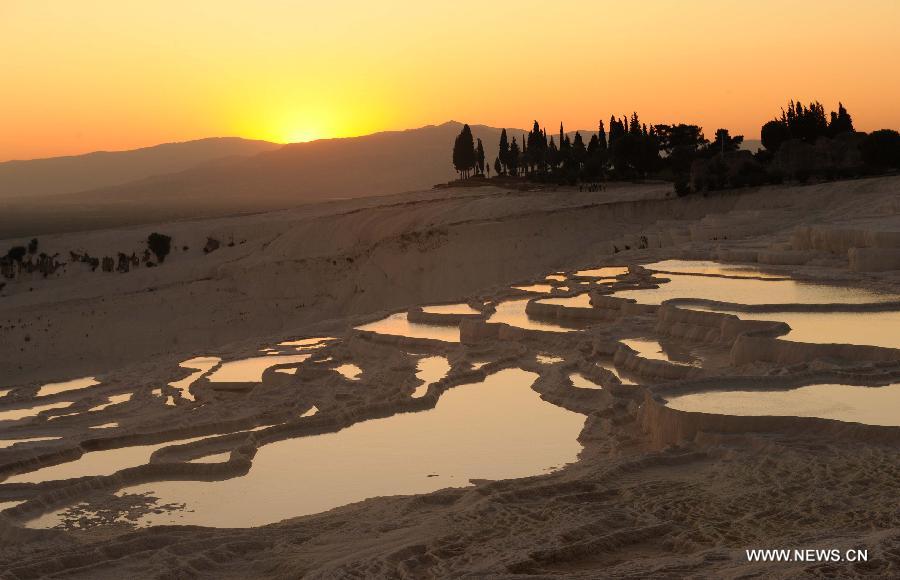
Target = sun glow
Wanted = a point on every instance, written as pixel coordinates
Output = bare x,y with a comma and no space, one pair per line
301,135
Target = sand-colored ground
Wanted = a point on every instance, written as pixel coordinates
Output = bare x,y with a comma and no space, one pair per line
656,492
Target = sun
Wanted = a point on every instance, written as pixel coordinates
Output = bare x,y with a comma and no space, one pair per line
301,135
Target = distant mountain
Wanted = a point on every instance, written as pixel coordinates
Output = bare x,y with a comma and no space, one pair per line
290,175
386,162
57,175
751,145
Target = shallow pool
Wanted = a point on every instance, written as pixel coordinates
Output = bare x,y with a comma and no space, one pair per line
496,429
750,291
709,267
869,405
398,325
512,312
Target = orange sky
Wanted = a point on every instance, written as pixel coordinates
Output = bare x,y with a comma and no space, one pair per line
84,75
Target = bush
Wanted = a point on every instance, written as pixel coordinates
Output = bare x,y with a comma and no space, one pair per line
881,149
16,253
32,246
773,134
160,245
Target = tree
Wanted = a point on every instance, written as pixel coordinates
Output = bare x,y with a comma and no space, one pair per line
479,157
579,153
616,130
536,146
464,157
498,167
725,143
160,245
881,149
601,137
513,161
503,155
16,254
33,246
841,122
682,144
773,134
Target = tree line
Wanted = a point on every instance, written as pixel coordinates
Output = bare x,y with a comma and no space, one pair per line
801,143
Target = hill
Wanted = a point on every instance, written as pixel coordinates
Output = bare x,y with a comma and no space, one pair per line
291,175
57,175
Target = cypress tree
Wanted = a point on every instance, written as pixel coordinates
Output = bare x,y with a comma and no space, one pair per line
601,137
513,164
464,158
503,154
479,157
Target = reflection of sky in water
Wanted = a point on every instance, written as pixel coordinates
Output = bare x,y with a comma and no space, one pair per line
512,312
651,349
872,328
252,369
751,292
870,405
451,309
104,462
55,388
497,429
398,325
538,288
582,382
430,369
709,267
605,272
16,414
579,301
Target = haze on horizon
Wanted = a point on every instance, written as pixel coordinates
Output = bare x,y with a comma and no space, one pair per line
106,75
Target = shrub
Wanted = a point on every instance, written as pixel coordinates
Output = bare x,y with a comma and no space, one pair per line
160,245
16,253
773,134
682,186
881,149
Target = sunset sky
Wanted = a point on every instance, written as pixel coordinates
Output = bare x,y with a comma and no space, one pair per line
85,75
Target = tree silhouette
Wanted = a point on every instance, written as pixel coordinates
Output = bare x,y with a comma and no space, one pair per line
841,122
513,161
160,245
725,143
881,149
773,134
503,155
479,157
464,157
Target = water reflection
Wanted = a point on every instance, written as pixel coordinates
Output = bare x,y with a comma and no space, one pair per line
605,272
709,267
17,414
56,388
872,328
749,291
430,370
497,429
202,365
251,370
653,350
869,405
451,309
579,301
349,371
582,382
398,325
512,312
